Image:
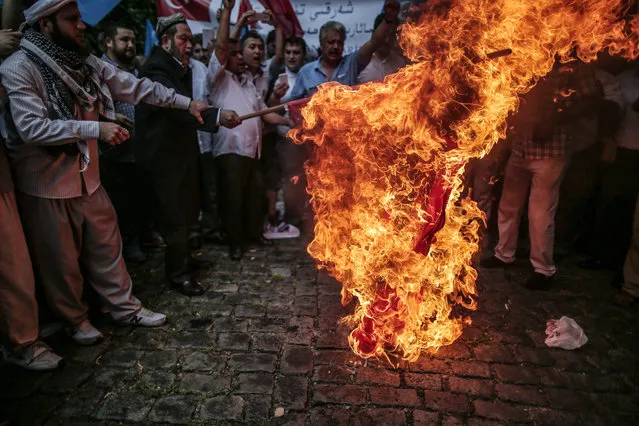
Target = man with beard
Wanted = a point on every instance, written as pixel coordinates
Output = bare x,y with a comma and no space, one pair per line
60,103
331,65
122,178
168,146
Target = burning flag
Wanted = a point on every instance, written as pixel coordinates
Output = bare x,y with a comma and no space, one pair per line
385,176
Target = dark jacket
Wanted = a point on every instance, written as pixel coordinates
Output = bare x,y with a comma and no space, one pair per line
164,134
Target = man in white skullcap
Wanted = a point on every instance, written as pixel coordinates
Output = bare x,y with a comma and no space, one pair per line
61,103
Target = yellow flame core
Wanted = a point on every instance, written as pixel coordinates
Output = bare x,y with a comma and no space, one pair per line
380,147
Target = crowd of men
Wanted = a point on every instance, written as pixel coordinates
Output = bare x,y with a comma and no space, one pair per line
103,157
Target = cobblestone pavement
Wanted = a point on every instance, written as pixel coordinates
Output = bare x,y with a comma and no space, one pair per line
263,345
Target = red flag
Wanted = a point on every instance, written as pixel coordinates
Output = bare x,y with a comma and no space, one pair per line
193,10
285,15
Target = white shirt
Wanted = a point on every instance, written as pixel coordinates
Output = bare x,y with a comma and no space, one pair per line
238,93
377,68
628,134
200,93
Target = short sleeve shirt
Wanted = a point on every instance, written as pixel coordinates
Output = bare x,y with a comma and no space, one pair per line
312,75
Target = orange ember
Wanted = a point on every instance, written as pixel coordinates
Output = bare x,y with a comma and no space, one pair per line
385,176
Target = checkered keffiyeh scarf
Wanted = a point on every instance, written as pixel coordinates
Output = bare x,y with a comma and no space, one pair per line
71,80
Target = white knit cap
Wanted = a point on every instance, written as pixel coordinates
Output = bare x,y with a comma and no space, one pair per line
43,8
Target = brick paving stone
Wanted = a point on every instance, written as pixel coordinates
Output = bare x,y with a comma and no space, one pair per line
430,365
567,399
222,408
256,408
176,409
159,359
476,421
330,416
341,394
533,356
231,324
108,378
268,325
332,339
378,376
233,341
305,305
291,392
156,382
500,411
66,380
250,311
494,353
446,401
547,416
253,383
334,373
194,339
425,381
521,393
127,406
300,330
340,357
455,351
471,369
253,362
452,421
380,416
267,342
394,396
425,418
122,358
199,361
82,403
475,387
516,374
210,383
32,411
296,360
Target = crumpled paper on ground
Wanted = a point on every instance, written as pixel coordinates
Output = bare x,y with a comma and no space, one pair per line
564,333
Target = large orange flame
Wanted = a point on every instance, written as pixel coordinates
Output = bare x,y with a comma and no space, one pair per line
385,176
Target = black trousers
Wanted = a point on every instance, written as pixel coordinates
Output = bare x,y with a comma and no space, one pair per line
615,210
176,184
128,187
241,198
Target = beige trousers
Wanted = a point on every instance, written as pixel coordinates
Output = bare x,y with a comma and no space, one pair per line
18,307
76,239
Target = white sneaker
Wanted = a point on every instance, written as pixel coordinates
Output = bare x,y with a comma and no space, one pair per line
36,357
85,334
281,231
144,318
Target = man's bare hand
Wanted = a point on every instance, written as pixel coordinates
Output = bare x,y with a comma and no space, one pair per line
280,89
112,133
228,4
9,41
196,108
246,18
229,118
271,18
123,121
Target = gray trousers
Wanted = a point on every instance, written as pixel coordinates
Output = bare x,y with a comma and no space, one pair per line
18,307
76,239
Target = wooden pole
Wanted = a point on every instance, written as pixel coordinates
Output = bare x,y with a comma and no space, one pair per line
263,112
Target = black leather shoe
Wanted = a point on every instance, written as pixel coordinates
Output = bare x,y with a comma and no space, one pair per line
494,262
264,242
236,252
538,281
188,287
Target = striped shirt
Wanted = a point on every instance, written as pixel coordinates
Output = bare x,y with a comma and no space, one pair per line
37,171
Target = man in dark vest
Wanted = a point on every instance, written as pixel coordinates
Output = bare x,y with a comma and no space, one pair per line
168,146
